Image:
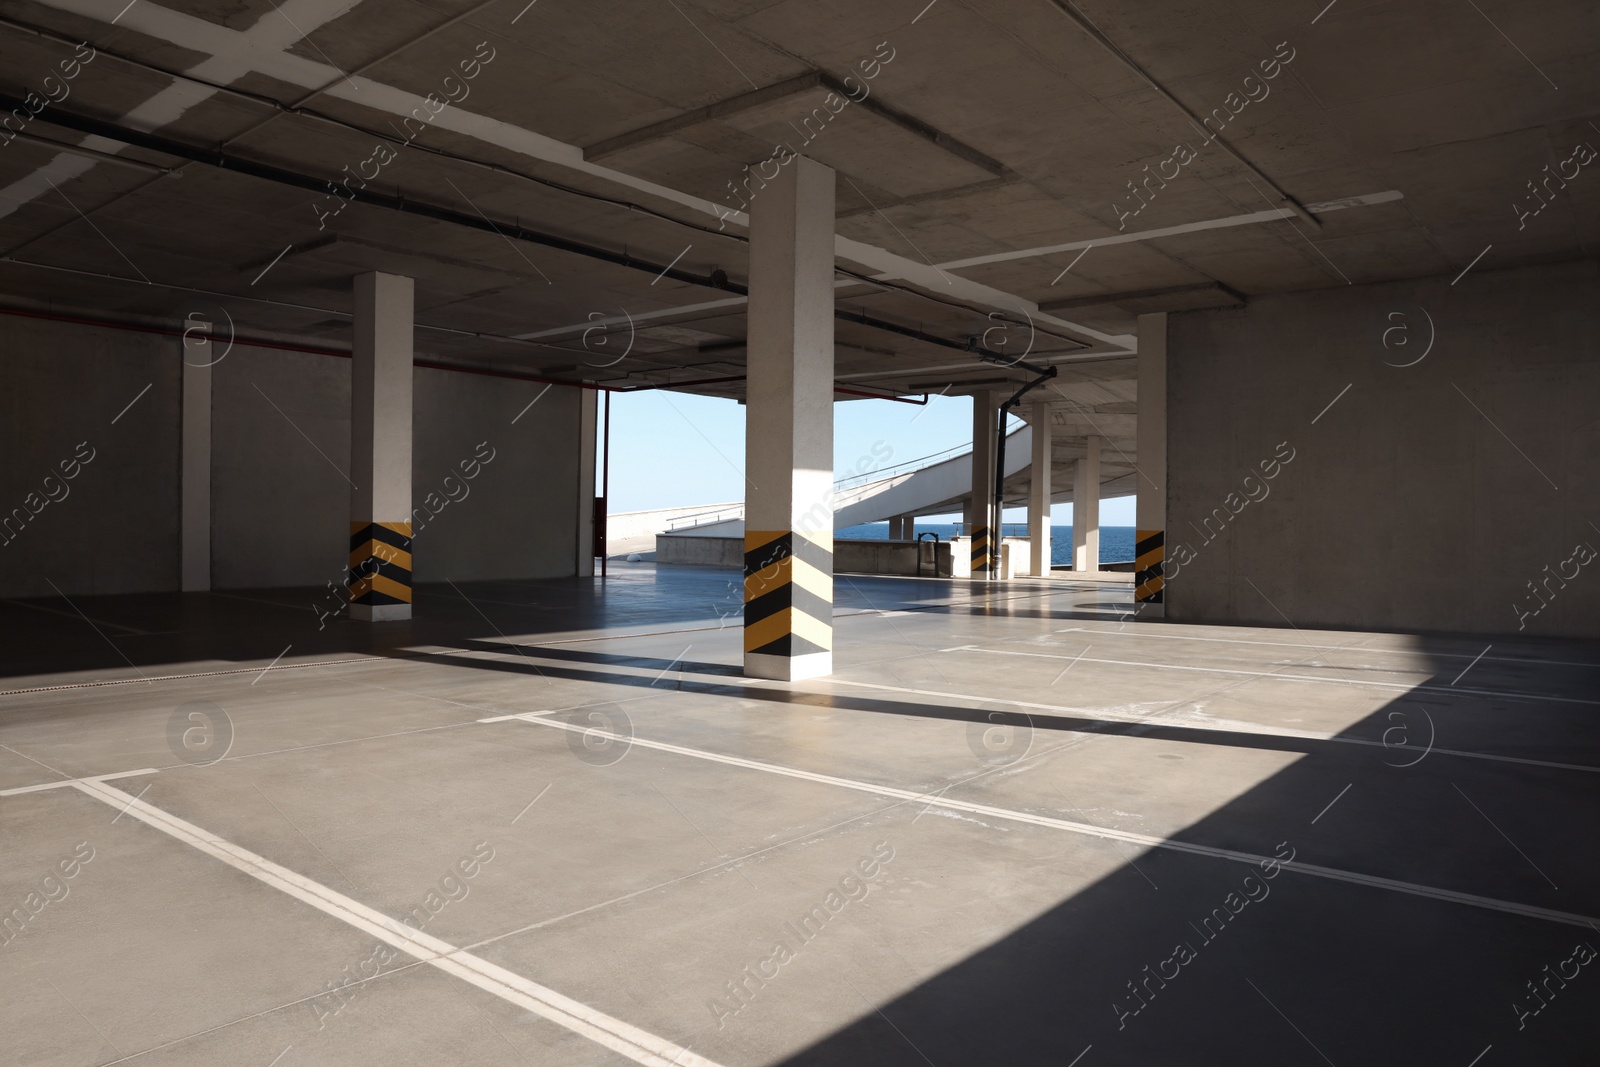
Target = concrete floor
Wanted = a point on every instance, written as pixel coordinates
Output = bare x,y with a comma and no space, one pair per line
1004,815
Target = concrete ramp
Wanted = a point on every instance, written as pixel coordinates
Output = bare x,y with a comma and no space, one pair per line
929,490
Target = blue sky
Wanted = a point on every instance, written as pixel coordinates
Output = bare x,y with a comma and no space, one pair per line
671,449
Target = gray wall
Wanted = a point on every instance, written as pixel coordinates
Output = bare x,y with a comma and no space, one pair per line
1404,507
280,508
280,457
114,528
518,517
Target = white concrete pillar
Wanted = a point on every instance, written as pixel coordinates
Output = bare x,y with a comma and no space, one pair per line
788,541
1039,493
380,449
587,411
903,528
985,525
195,450
1150,503
1086,508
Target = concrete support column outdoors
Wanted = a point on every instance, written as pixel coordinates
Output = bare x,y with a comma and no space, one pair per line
788,540
903,528
1150,505
1039,493
587,410
194,569
1086,508
380,449
985,527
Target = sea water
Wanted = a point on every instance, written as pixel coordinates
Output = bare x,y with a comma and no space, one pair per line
1116,542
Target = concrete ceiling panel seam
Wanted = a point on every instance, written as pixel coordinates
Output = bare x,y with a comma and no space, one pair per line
200,35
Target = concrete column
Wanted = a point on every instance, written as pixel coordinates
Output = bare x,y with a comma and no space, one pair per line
195,449
788,540
903,528
587,410
985,527
1039,493
1086,508
380,449
1150,504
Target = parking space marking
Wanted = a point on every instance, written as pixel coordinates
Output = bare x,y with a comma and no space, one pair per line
614,1034
74,781
1503,694
1221,726
1370,881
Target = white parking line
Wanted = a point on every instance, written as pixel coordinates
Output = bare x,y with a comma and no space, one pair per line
1409,687
74,781
614,1034
1221,726
1354,646
1528,911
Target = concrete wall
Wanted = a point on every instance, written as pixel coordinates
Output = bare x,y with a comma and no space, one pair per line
1429,496
280,448
113,527
893,557
517,518
280,466
700,550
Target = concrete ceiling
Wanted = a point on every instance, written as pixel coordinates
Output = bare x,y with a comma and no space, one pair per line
985,180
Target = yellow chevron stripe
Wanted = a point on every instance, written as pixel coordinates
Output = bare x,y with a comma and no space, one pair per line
1150,559
379,584
401,528
1150,588
754,539
379,550
788,621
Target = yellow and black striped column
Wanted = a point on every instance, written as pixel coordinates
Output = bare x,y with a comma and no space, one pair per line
1150,506
788,601
788,515
982,549
380,448
1149,557
380,569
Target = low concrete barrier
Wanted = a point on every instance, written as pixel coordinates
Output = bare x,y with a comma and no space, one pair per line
851,557
700,551
893,557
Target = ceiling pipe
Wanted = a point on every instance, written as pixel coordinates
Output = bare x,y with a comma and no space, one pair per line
343,353
225,161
